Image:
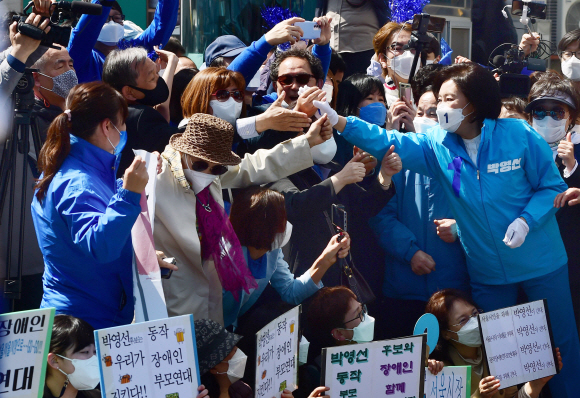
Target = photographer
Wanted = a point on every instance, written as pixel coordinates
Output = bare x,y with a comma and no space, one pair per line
24,51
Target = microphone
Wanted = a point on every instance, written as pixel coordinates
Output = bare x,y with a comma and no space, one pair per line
498,62
80,7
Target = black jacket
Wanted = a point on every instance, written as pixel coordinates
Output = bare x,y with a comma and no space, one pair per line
146,129
569,219
44,116
307,198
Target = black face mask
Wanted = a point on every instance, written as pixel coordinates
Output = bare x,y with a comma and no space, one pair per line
156,96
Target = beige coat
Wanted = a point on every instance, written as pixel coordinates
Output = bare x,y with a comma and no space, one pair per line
196,289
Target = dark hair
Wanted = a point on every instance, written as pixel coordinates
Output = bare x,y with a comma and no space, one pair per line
336,63
89,105
548,84
477,84
174,46
180,82
433,46
568,39
116,6
313,61
218,62
355,89
440,304
326,312
515,104
257,215
423,79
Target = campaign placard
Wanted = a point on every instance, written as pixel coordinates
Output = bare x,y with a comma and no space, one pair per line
451,382
155,359
24,343
518,343
277,360
393,368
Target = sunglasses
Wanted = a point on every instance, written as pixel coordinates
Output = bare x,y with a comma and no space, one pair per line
224,95
300,78
556,113
202,165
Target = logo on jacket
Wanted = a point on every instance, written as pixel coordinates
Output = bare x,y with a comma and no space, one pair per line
503,167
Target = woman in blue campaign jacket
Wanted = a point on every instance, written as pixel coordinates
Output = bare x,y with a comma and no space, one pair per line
82,215
500,180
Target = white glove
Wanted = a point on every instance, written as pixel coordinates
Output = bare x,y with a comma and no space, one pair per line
516,233
324,107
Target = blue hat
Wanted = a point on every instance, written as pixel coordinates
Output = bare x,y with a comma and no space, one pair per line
223,46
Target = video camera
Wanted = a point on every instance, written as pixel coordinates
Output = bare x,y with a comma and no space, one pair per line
422,23
61,11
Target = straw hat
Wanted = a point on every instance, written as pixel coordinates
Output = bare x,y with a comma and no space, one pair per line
207,137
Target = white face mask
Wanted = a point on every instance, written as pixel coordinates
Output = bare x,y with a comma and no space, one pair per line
281,239
328,90
551,130
429,61
86,375
229,110
324,153
571,68
111,33
469,334
422,124
303,351
401,64
198,180
450,118
236,366
365,331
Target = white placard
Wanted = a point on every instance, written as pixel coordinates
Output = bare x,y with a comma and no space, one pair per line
24,342
277,360
151,161
451,382
156,359
518,343
392,368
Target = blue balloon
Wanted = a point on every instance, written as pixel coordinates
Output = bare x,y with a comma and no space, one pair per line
428,324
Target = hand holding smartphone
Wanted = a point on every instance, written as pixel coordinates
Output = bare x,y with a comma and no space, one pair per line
311,29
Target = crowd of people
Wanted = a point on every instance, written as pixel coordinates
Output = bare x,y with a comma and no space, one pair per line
458,200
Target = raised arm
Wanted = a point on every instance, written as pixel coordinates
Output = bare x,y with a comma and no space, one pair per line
160,29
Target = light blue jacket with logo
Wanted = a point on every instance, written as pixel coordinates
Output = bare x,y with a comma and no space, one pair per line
514,176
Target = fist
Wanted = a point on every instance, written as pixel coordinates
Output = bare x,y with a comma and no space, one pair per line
447,229
422,263
136,176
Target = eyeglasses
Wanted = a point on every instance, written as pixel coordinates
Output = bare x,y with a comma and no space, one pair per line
399,48
224,95
465,320
361,315
300,78
202,165
118,18
566,55
556,113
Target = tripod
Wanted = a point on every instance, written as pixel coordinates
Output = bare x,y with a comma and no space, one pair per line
24,124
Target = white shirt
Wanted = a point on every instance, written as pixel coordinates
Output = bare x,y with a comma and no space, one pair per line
472,147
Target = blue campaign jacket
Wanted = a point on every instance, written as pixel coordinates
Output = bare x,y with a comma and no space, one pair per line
406,225
88,62
515,176
292,290
83,227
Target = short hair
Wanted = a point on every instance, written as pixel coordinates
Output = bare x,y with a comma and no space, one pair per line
116,6
515,104
41,62
121,67
423,78
180,82
433,46
326,312
313,61
336,63
257,215
439,304
197,94
218,62
477,84
549,84
386,33
353,90
568,39
174,46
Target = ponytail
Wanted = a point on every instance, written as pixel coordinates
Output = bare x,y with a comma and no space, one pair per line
53,153
88,105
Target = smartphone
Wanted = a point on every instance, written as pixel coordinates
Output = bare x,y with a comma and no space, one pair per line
311,29
166,272
406,91
338,219
535,9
